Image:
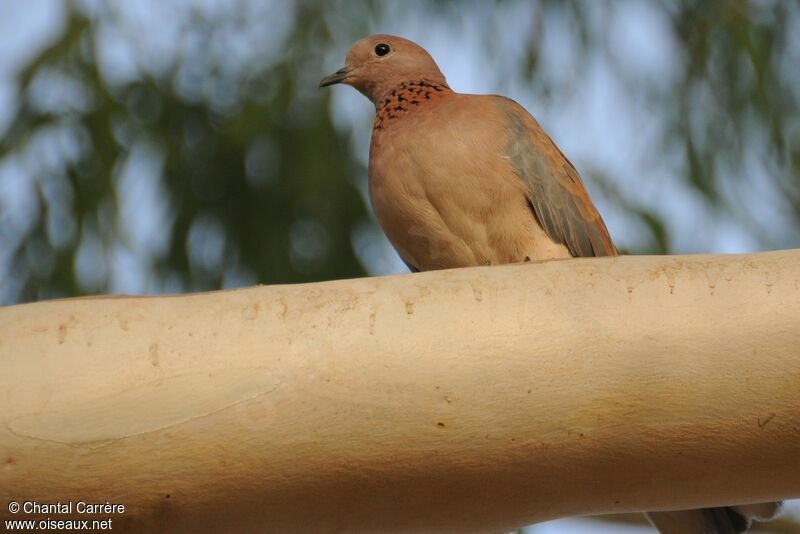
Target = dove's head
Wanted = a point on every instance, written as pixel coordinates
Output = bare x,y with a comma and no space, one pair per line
377,64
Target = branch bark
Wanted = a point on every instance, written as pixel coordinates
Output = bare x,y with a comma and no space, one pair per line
466,400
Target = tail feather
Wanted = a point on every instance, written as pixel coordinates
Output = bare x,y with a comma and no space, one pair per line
725,520
759,512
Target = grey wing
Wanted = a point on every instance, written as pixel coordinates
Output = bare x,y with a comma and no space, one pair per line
410,267
556,193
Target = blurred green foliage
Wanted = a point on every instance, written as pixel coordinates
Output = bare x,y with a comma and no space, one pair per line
247,167
255,185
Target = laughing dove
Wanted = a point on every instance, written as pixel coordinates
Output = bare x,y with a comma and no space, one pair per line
462,180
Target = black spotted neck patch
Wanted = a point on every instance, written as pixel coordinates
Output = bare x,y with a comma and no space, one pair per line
405,98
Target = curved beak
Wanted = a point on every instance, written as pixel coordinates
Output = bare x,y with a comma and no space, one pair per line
337,77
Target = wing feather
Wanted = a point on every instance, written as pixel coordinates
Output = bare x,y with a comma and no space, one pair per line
556,193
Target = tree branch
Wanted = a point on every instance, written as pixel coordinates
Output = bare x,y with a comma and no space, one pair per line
466,400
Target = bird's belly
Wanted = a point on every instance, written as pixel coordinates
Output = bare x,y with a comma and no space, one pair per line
427,239
438,221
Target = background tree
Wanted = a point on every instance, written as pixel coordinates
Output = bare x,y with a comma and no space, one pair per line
184,146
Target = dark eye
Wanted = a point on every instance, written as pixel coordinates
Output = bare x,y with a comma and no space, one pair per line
382,49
